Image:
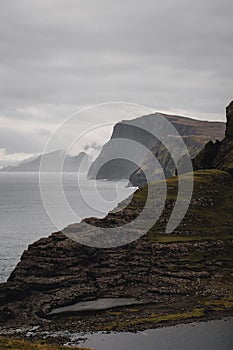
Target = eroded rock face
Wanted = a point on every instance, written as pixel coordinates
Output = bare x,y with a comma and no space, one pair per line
194,132
229,126
57,271
219,154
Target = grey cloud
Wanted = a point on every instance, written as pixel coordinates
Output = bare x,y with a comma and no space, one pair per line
14,141
93,145
58,54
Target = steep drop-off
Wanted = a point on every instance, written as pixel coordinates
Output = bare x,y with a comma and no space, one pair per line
190,269
218,155
194,132
181,276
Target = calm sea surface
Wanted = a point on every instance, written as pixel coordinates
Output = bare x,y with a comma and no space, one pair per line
211,335
23,218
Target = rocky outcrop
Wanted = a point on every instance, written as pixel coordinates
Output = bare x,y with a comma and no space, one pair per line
218,155
194,132
56,271
229,126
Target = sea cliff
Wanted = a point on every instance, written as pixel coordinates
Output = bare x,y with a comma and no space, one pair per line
181,276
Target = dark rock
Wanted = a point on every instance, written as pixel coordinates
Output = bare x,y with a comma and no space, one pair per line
194,262
194,132
218,155
229,126
6,314
206,159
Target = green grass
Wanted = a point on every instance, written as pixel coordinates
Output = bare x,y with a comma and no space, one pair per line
202,222
206,306
189,238
14,344
220,304
157,319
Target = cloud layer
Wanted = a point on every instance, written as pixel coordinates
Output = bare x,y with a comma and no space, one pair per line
59,55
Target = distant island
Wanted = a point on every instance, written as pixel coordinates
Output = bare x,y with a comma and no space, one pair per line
53,162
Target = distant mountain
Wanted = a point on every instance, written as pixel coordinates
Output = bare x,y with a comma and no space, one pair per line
52,163
194,132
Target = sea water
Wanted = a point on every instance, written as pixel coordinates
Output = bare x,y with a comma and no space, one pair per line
23,218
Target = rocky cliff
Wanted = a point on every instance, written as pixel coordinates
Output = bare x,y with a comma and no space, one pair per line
194,132
218,155
186,268
179,276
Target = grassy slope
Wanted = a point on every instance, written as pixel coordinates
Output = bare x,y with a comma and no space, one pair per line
225,156
210,213
14,344
210,220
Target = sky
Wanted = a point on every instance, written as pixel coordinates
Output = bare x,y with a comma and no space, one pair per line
59,56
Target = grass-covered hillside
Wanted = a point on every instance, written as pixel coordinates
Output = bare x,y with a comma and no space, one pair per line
190,269
210,210
209,214
14,344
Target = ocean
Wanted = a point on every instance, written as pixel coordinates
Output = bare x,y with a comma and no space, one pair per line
23,218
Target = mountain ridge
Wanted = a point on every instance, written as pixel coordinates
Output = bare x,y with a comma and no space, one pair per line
52,163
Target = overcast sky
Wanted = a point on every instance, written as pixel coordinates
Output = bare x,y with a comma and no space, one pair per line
61,55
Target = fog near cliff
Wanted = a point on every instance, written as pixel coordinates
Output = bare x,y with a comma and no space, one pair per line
58,56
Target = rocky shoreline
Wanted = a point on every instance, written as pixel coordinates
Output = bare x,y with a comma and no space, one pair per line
179,282
181,277
68,334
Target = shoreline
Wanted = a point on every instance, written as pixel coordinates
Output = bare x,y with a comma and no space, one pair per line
75,339
64,329
183,277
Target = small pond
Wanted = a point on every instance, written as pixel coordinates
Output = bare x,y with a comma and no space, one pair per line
99,304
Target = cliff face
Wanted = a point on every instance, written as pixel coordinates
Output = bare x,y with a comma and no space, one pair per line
158,268
218,155
229,127
192,267
138,178
194,132
118,168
